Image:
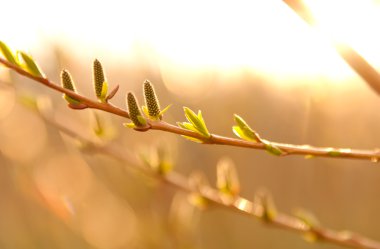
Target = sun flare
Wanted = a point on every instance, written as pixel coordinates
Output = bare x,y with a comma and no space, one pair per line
263,35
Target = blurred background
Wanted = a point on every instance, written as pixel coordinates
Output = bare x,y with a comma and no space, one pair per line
253,58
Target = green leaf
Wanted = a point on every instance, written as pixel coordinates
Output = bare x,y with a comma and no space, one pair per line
307,217
98,126
200,118
29,101
264,199
8,54
193,139
227,178
164,110
197,121
104,92
273,149
187,126
245,132
30,65
240,133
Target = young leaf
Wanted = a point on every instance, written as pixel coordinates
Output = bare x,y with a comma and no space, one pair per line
165,164
197,121
273,149
187,126
30,65
193,139
134,111
243,130
307,217
8,54
98,126
240,133
310,220
165,110
68,83
269,211
198,181
227,179
151,101
100,82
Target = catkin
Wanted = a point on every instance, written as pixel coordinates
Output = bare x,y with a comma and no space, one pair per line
67,81
99,77
133,109
151,100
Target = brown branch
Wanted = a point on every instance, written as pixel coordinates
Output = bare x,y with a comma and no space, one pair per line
288,149
239,204
348,54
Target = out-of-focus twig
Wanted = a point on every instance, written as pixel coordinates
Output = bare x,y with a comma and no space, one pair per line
238,205
367,72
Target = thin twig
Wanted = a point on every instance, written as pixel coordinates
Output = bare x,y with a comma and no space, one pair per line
288,149
239,205
348,54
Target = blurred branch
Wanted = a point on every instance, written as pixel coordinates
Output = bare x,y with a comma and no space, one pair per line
237,204
286,149
348,54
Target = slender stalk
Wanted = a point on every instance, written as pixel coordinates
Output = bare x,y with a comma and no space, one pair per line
288,149
348,54
240,205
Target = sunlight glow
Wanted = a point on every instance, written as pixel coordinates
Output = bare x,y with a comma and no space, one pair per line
262,35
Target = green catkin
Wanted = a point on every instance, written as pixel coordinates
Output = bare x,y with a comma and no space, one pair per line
133,109
99,77
67,81
151,100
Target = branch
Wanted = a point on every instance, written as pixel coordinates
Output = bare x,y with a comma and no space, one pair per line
346,52
238,204
260,208
286,149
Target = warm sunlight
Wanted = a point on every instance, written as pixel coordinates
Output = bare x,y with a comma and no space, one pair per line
262,35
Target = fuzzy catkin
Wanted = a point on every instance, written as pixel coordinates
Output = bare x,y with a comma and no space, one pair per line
67,81
151,100
99,77
133,109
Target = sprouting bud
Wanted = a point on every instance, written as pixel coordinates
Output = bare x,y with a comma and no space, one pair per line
227,179
197,182
99,79
8,54
134,111
151,101
311,221
30,65
68,83
269,211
